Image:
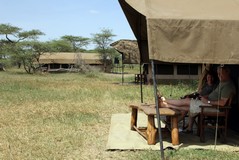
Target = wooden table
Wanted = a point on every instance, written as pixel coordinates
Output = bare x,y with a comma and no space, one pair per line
150,133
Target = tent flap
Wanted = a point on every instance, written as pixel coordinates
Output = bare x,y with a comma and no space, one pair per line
192,41
185,31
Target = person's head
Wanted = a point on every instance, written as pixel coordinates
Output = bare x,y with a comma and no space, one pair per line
210,78
223,73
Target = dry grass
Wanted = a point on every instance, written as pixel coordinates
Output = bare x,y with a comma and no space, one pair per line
59,116
64,116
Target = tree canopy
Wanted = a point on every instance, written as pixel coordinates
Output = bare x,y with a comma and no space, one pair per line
77,42
102,41
19,47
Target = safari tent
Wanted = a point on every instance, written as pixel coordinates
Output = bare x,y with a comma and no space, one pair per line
164,72
129,50
187,31
66,60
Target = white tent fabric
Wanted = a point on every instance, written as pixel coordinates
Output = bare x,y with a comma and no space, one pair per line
185,31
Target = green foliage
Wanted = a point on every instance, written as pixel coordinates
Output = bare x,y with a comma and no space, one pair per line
60,46
17,34
32,34
102,41
6,29
28,54
19,51
77,42
21,48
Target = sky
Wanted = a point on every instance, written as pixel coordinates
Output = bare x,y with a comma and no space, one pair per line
57,18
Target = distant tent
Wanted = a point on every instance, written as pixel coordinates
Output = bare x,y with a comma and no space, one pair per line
129,50
70,58
65,61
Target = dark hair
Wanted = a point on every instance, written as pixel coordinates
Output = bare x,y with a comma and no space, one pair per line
214,76
210,73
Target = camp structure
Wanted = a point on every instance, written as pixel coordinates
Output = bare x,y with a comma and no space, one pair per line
187,31
129,50
163,71
67,61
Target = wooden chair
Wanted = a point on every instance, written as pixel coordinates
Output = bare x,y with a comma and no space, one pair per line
195,121
205,116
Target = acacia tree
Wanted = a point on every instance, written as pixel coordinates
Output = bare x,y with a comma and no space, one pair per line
102,41
7,30
29,53
15,34
77,42
60,46
10,44
6,44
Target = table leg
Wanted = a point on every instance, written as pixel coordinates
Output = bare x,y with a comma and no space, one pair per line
174,132
134,116
151,130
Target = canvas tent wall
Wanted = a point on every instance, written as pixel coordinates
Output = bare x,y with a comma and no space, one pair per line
164,71
67,60
186,31
70,58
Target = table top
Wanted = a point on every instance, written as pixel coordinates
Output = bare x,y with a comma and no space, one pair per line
150,109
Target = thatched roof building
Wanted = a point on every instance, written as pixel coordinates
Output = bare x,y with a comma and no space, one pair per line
129,50
70,58
67,61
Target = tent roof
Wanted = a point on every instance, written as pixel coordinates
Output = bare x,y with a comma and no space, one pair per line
70,58
187,9
185,31
130,50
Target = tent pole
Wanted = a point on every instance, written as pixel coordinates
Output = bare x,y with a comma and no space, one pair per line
122,73
157,111
141,86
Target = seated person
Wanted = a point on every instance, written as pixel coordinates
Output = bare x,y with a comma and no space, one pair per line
219,96
206,89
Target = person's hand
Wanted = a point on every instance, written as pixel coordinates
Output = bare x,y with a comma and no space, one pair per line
204,99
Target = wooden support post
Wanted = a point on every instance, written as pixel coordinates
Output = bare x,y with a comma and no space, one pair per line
202,136
151,130
174,132
134,116
198,126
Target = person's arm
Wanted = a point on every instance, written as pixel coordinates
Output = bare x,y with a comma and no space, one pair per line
221,102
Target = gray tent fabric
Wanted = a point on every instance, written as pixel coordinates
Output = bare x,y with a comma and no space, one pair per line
185,31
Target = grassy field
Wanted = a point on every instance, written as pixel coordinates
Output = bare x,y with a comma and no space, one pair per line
67,116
